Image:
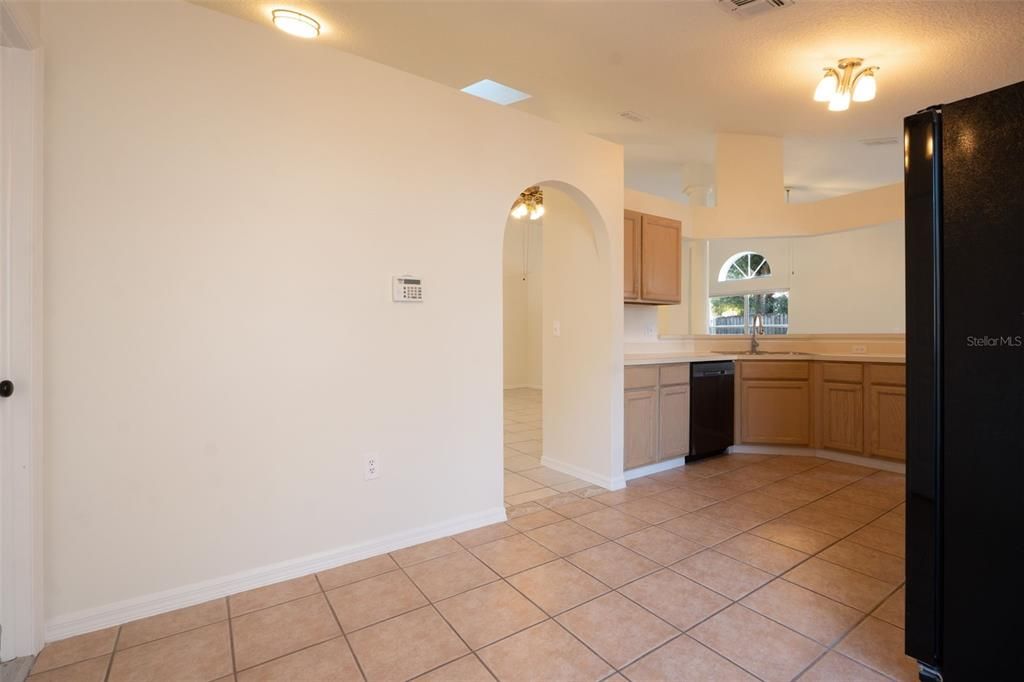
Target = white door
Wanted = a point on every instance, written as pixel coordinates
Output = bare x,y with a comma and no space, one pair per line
20,350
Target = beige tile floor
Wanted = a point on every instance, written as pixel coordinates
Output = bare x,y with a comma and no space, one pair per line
525,479
740,567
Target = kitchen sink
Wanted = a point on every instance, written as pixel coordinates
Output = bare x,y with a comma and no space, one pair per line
780,353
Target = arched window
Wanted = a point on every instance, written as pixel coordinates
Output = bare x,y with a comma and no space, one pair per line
745,265
748,306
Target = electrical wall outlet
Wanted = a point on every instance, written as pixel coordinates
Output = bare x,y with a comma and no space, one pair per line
650,331
556,328
860,348
371,466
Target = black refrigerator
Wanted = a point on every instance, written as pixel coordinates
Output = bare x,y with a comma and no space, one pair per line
964,184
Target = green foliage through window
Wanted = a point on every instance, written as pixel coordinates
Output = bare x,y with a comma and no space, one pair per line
735,314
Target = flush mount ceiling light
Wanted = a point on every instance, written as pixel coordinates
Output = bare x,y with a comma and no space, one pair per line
839,86
530,203
295,23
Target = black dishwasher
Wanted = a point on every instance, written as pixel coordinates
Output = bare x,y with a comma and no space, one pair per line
711,407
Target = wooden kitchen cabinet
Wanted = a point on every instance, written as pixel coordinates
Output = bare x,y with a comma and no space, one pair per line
775,412
842,416
640,427
653,256
657,419
887,431
673,421
631,255
855,407
661,255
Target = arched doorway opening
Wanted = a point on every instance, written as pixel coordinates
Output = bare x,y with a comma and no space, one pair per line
556,340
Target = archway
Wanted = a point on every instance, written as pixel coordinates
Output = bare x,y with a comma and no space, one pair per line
559,434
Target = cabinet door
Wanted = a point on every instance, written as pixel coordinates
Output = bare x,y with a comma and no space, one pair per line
842,416
887,421
640,427
674,421
661,255
631,254
775,412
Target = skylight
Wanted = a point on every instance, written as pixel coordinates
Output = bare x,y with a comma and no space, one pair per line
495,92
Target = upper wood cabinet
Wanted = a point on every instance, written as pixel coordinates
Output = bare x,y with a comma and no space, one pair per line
661,255
631,253
652,249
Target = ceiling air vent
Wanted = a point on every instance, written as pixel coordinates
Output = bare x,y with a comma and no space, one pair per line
879,141
633,116
749,8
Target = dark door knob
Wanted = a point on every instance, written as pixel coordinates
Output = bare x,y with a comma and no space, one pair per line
6,388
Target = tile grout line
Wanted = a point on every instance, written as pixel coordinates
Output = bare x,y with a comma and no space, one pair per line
113,652
660,566
231,640
337,620
66,665
433,605
299,650
825,648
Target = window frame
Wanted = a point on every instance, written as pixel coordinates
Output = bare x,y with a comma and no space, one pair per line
731,261
747,316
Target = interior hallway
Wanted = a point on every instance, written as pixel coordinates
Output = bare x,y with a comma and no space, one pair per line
740,567
526,481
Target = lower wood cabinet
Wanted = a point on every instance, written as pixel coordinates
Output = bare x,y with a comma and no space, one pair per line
887,406
673,421
775,412
657,414
842,416
640,447
856,407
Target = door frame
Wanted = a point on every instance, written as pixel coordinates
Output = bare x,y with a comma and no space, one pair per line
21,338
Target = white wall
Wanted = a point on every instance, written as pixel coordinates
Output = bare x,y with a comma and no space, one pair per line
225,206
849,282
843,282
576,361
640,323
523,287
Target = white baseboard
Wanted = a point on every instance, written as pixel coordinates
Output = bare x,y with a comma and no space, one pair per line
143,606
655,468
611,483
870,462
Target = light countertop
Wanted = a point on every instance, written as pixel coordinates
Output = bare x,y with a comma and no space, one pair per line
671,356
632,359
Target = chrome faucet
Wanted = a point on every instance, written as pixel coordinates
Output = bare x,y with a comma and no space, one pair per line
757,325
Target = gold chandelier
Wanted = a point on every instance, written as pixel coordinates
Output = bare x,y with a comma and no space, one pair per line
839,86
530,203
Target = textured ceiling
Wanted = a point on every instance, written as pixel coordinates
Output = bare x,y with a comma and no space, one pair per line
692,70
